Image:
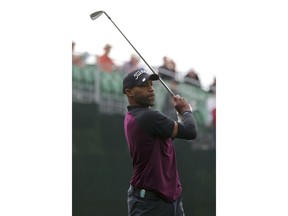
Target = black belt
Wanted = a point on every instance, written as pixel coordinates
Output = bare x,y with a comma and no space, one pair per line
138,192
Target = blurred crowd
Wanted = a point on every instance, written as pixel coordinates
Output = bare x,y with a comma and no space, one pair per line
167,71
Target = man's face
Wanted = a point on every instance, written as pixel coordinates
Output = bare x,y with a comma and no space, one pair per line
143,95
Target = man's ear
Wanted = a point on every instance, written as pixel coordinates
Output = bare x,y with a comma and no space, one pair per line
129,92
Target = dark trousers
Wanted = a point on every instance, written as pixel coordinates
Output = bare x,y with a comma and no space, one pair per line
147,203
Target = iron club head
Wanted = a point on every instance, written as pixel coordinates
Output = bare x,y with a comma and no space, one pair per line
96,14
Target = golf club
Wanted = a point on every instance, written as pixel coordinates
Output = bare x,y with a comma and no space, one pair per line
97,14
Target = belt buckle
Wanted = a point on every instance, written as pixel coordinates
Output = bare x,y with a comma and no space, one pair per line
142,193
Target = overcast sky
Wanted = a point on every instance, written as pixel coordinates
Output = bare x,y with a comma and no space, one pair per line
209,36
191,33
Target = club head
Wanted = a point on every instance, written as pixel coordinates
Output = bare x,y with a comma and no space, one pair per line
96,14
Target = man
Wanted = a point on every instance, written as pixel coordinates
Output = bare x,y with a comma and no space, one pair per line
155,187
104,62
131,65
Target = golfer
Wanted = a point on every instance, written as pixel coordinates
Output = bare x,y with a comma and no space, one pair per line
155,187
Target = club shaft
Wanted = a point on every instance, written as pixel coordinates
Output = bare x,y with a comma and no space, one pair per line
160,79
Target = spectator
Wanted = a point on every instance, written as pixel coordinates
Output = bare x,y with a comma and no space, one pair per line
77,59
192,78
131,65
211,108
172,67
104,62
167,70
212,87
